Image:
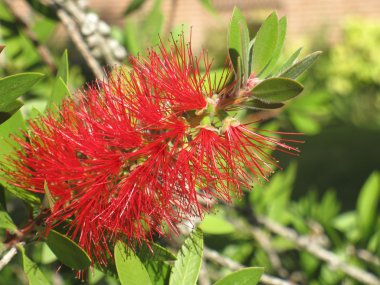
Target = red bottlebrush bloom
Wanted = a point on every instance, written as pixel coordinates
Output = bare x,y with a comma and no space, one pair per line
130,158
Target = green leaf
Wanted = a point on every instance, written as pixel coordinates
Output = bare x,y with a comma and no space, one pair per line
216,225
279,46
265,44
246,276
129,267
291,60
276,90
12,126
6,221
14,86
23,194
47,256
154,253
131,33
345,222
60,89
238,41
67,251
9,110
298,68
159,272
33,273
63,68
48,199
257,104
133,6
152,24
367,205
3,202
189,259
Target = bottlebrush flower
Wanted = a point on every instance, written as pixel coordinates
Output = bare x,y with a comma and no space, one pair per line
130,158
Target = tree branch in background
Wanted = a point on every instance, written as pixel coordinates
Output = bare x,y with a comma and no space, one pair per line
313,248
204,278
80,43
364,255
8,256
24,21
216,257
90,35
264,241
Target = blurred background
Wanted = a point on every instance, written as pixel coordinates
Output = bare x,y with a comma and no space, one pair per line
331,191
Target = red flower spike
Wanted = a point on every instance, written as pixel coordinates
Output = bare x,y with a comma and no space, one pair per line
128,159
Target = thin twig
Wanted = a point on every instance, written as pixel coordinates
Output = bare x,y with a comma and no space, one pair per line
80,43
91,35
74,10
233,265
204,278
331,258
24,21
364,255
265,243
8,256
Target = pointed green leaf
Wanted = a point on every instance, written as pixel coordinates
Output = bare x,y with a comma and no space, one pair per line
368,205
9,110
133,6
279,46
33,273
276,90
67,251
189,259
129,267
238,41
60,89
265,43
246,276
250,55
6,221
48,200
298,68
14,86
63,68
216,225
257,104
291,60
345,222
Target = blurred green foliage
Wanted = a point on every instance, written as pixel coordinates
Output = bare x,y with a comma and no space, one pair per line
345,84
